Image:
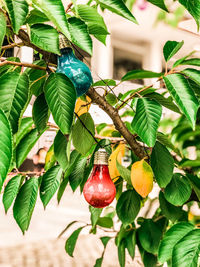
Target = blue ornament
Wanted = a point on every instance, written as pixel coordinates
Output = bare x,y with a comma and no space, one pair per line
77,71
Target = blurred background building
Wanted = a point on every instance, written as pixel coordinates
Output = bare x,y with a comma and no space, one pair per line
129,46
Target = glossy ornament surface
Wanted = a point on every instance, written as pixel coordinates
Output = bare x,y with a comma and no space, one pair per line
77,71
99,190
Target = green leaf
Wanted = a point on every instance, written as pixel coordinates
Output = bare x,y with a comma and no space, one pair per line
122,234
100,37
62,188
124,172
171,48
83,132
170,211
105,222
71,241
162,164
40,113
14,91
35,76
104,240
93,19
90,14
11,190
25,203
111,99
146,120
45,37
166,102
54,10
95,214
140,74
118,7
60,149
149,235
186,251
17,10
149,259
60,95
5,147
191,163
79,34
164,139
195,183
179,61
50,182
128,206
74,157
36,16
77,174
96,30
2,27
121,254
193,74
178,190
98,262
159,3
171,238
25,127
191,61
183,95
131,243
193,8
106,82
20,102
25,146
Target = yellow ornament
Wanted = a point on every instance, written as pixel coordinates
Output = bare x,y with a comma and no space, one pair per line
82,106
142,177
116,155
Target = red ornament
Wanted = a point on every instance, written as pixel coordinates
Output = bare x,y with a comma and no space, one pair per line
99,190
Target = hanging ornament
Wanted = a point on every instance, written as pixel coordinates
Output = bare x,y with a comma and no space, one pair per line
99,190
77,71
142,4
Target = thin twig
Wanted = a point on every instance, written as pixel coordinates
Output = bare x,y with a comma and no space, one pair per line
95,139
39,79
68,7
20,64
115,139
28,173
133,95
12,45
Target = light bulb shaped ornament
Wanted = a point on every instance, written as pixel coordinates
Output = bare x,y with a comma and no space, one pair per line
77,71
99,190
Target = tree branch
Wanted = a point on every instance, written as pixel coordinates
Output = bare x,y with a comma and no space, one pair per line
68,7
119,125
20,64
12,45
49,57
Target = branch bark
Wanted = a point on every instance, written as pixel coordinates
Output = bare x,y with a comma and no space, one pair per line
119,125
20,64
48,57
12,45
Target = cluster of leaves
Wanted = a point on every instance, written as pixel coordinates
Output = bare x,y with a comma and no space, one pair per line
167,236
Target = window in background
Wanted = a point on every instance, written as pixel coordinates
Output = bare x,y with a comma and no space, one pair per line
125,61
